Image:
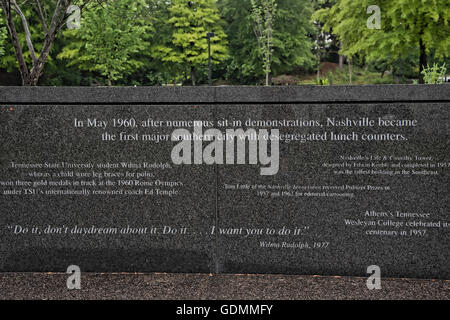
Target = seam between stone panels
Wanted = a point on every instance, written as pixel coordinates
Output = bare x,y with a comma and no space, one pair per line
216,208
216,217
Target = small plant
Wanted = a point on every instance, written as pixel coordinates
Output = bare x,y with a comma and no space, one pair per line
322,82
434,74
330,78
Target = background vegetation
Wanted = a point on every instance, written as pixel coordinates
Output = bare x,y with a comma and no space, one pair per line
163,42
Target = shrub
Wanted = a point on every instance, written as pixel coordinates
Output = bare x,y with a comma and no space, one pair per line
434,74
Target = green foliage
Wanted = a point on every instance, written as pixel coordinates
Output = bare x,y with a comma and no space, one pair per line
154,42
293,36
184,46
405,68
330,78
3,37
263,14
434,74
292,42
326,45
322,82
244,64
404,24
160,72
341,77
111,39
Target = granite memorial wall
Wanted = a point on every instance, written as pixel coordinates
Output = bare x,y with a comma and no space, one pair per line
296,180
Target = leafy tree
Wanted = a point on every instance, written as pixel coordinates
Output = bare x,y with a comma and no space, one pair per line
263,14
28,16
292,39
3,37
326,45
407,26
110,39
58,73
162,72
9,62
187,47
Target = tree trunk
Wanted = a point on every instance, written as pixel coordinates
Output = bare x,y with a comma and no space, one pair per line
319,57
193,76
23,68
38,67
269,46
349,61
422,60
29,81
341,61
341,58
31,77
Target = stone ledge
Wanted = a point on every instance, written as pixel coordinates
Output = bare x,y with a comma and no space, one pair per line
225,94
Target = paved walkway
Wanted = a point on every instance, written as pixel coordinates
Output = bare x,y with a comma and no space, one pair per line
204,286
